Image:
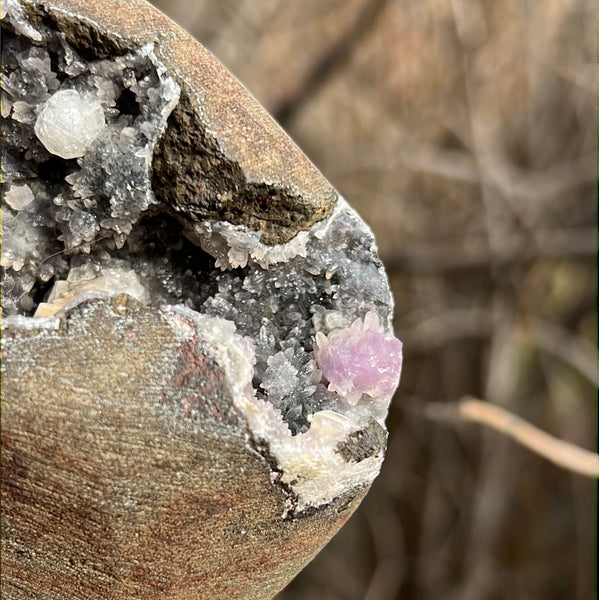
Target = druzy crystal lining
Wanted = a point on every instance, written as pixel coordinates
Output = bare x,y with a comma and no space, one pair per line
80,217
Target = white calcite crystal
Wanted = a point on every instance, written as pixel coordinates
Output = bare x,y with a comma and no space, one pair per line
18,244
68,123
13,10
236,246
19,196
86,282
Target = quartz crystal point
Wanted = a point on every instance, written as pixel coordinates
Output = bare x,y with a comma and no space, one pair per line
197,347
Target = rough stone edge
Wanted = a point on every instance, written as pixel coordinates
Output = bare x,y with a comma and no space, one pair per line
247,139
303,533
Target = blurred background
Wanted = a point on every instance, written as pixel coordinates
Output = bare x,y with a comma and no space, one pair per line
464,132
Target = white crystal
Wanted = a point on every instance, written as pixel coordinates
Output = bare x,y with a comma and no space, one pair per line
68,123
19,239
23,112
5,106
83,225
85,282
280,378
15,14
19,196
236,245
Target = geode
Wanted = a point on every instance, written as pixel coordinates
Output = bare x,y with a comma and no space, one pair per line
198,355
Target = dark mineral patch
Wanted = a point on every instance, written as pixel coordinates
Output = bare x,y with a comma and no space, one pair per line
364,443
191,175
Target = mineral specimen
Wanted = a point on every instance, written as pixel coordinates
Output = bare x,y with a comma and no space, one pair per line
360,359
95,212
170,279
68,123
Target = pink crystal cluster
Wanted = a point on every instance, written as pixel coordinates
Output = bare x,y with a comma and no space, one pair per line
360,359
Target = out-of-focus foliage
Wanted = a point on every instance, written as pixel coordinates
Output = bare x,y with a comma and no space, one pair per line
464,132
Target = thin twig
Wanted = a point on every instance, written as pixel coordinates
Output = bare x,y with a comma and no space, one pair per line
559,452
516,249
331,62
574,350
437,330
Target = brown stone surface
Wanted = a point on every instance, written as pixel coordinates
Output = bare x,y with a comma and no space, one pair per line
127,473
252,172
460,131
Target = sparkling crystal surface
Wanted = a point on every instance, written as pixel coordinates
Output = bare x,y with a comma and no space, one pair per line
360,359
81,218
68,123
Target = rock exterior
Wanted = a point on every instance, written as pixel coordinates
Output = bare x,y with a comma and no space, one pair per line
197,347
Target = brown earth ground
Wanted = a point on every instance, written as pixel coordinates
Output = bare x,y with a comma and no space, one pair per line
464,133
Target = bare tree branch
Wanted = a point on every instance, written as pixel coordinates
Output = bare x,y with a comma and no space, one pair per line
516,249
559,452
574,350
330,62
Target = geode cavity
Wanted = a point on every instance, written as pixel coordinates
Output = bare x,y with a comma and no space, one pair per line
197,333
